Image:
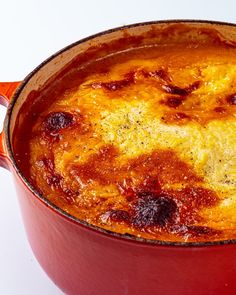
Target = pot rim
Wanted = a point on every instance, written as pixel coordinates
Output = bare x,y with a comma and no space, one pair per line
56,209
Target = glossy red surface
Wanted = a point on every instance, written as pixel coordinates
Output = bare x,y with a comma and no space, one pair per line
7,89
81,260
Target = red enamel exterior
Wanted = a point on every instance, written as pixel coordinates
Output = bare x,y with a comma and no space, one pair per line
82,260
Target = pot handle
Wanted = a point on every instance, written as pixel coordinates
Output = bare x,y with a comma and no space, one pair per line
7,89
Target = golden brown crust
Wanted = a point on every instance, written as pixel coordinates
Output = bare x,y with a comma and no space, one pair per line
145,146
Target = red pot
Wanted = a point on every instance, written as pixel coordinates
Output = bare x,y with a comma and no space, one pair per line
83,259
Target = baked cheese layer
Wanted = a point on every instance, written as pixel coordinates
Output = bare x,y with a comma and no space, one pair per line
146,146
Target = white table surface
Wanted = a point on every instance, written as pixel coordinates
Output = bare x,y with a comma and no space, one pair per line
32,30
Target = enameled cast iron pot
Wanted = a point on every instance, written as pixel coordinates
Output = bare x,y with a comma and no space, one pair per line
85,260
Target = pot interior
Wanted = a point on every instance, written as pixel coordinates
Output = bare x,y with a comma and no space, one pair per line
96,47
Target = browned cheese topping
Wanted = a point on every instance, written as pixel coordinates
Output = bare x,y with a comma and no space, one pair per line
141,142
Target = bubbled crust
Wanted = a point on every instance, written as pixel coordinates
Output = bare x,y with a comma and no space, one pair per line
146,147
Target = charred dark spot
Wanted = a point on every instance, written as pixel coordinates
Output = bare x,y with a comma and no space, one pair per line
161,74
172,89
115,85
153,210
194,86
173,102
220,110
56,121
119,215
175,90
231,99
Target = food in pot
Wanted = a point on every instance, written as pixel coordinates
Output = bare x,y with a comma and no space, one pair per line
141,141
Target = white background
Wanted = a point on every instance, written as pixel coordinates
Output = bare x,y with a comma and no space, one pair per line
30,31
